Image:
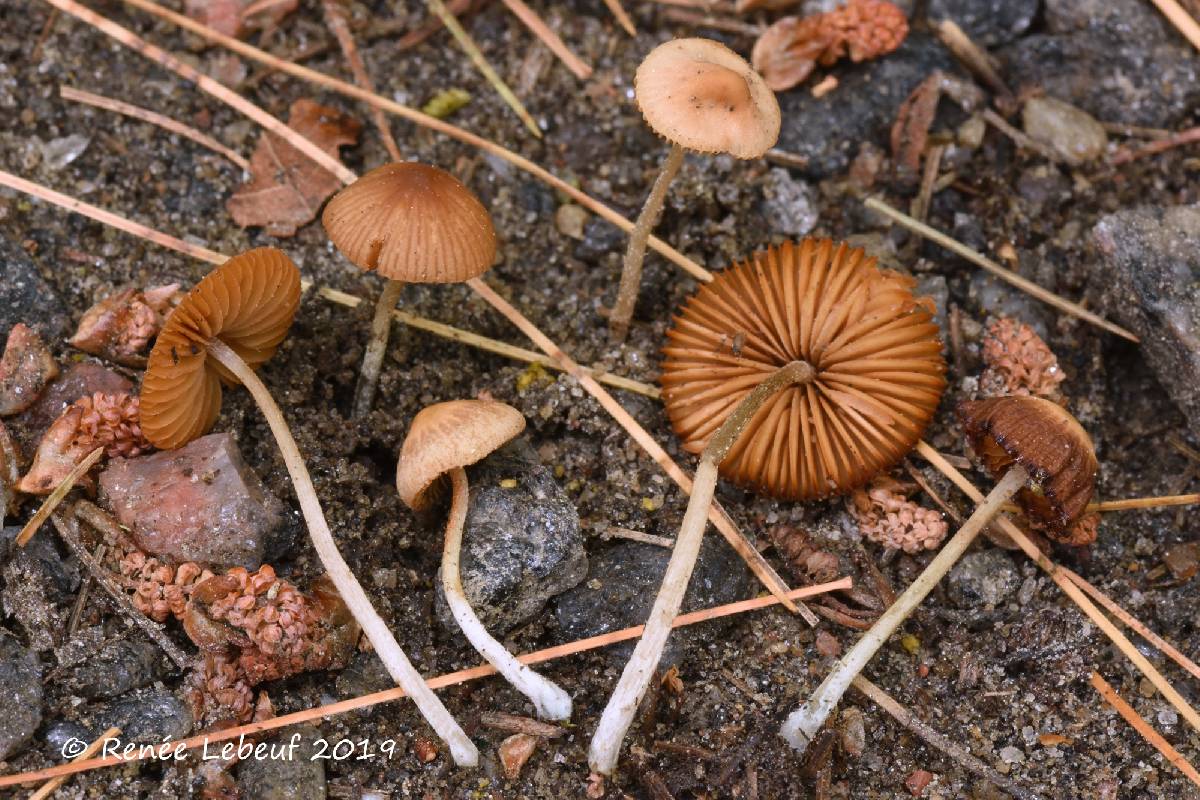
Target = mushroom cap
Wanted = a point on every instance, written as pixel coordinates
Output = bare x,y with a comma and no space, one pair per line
1048,442
873,345
248,303
447,435
701,95
413,223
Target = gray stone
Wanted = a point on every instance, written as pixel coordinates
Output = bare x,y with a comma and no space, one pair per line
623,582
936,289
1150,266
987,22
828,130
789,205
198,503
26,297
521,545
1073,134
147,715
287,773
21,694
119,667
985,577
61,737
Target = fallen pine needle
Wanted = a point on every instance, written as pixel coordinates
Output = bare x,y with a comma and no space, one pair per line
55,497
48,788
622,16
1161,501
1147,732
154,118
1008,276
548,37
1154,148
451,679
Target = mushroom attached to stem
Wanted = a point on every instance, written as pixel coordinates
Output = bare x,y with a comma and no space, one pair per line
1040,455
443,439
809,401
698,95
411,223
226,326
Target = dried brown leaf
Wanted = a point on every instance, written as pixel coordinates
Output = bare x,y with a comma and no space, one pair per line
286,188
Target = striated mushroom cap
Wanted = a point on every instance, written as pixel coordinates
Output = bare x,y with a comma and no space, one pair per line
874,346
413,223
248,303
701,95
447,435
1049,443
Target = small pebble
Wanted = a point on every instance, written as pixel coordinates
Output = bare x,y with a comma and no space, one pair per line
1073,134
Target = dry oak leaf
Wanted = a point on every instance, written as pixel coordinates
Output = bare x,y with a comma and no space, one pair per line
286,188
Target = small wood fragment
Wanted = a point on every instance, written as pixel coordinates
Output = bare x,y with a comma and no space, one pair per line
512,723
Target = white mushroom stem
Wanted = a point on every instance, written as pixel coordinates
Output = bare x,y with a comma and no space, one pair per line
548,697
635,254
381,328
804,723
398,666
619,713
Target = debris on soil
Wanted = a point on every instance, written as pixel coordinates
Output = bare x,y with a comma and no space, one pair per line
21,688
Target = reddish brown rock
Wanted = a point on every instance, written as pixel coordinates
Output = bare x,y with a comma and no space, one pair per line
25,369
515,751
198,503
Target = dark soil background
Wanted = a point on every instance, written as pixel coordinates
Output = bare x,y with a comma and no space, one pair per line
996,677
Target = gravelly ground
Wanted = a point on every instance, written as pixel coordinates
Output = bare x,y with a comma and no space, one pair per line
997,678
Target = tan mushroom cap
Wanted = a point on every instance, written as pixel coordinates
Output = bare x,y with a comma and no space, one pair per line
701,95
447,435
1049,443
413,223
248,303
873,345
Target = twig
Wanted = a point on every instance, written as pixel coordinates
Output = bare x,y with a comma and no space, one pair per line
154,118
685,750
703,20
933,163
959,754
999,123
1181,19
49,787
1027,286
637,536
622,16
1132,622
971,55
1173,756
85,589
128,38
335,19
548,37
786,159
928,489
511,723
51,20
1153,148
55,497
1182,447
1070,589
68,530
432,25
451,679
472,50
1135,131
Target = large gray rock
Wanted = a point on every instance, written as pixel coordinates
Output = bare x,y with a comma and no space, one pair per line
21,694
624,580
147,716
828,130
118,667
987,22
1151,266
201,502
26,297
521,545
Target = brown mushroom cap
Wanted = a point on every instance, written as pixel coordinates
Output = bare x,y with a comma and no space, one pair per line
413,223
873,345
701,95
447,435
1048,442
248,303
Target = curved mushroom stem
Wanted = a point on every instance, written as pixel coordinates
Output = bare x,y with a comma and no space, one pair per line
398,666
803,723
635,254
549,699
618,714
381,328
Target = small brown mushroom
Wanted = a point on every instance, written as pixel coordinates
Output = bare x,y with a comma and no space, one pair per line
411,223
698,95
1040,454
230,323
443,439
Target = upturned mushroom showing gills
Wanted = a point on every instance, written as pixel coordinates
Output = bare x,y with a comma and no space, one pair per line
698,95
411,223
799,373
228,325
443,439
1038,452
